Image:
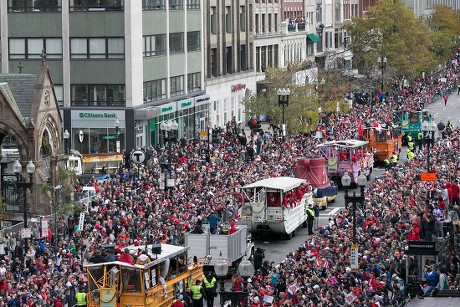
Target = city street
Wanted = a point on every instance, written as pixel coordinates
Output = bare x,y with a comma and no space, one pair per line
276,248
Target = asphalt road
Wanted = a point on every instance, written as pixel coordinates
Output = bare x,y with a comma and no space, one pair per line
276,248
450,112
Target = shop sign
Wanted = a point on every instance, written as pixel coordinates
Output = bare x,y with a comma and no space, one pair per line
238,87
201,100
168,108
421,248
109,137
96,115
185,104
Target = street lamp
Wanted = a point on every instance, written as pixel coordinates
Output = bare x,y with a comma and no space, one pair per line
221,269
283,100
382,61
428,128
246,269
117,126
346,182
170,127
23,185
66,136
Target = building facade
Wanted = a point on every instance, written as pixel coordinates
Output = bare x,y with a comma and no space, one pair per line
131,64
229,62
426,7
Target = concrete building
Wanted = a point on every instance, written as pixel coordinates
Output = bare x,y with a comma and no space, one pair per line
136,63
229,61
426,7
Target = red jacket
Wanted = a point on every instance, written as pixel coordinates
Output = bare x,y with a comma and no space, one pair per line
414,234
126,258
455,190
178,303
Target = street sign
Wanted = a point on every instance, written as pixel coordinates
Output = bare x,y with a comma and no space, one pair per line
138,156
429,185
354,264
428,176
45,227
26,233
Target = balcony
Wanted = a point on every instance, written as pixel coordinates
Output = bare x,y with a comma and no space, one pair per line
296,27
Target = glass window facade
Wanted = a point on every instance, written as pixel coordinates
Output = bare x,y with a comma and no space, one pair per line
176,42
32,48
154,45
154,90
193,41
97,48
98,95
96,5
177,86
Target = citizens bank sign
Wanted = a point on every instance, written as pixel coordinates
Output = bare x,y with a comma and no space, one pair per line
96,115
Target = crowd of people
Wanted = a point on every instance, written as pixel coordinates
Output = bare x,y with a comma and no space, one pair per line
131,206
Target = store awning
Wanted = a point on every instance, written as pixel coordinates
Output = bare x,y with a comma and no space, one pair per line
313,37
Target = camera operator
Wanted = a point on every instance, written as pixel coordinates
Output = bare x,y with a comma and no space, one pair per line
259,256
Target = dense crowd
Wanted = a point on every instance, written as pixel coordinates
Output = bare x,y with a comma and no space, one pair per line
131,206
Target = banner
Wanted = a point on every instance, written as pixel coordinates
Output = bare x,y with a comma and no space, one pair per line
81,222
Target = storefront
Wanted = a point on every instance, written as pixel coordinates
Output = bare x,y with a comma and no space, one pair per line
190,115
98,132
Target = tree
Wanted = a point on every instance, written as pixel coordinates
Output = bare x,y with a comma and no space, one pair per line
302,113
390,29
446,20
61,203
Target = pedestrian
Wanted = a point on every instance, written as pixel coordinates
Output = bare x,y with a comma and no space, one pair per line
316,209
445,99
259,255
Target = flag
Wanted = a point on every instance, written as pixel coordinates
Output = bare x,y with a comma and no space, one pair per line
360,128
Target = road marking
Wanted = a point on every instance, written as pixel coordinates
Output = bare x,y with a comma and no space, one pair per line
332,212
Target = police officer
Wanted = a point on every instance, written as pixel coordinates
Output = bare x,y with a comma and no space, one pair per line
310,218
81,297
198,294
410,155
409,138
259,256
420,140
210,287
410,143
387,163
394,159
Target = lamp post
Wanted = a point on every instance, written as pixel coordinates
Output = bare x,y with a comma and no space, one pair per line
382,61
245,269
170,128
429,128
208,127
221,269
66,136
346,182
283,100
23,185
117,126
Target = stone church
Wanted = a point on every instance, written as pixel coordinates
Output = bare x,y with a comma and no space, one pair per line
30,119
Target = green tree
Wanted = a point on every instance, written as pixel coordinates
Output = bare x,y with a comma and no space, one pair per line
302,113
390,29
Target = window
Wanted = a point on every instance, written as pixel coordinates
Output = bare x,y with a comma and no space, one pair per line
177,86
154,90
213,20
153,5
98,95
242,19
194,82
176,4
97,48
32,48
193,4
228,19
154,45
193,41
176,42
18,6
58,90
96,5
